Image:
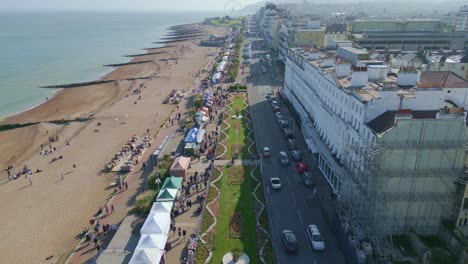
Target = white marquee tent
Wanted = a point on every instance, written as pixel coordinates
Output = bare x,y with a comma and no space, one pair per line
157,223
152,241
161,207
146,256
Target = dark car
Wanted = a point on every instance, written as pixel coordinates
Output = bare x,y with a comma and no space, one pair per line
290,241
308,179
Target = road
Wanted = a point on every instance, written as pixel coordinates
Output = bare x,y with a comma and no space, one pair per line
294,206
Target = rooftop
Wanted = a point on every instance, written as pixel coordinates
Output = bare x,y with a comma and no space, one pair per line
386,120
324,62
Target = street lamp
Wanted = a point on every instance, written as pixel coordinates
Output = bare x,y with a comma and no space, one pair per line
157,181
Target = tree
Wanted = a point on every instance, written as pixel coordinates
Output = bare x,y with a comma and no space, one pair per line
236,253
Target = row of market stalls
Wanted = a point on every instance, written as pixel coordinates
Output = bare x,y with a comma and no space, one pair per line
221,68
195,135
155,230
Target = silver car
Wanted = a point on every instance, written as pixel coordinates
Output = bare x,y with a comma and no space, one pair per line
283,157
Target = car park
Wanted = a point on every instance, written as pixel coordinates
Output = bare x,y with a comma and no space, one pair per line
290,241
296,155
266,152
283,157
275,183
308,179
316,239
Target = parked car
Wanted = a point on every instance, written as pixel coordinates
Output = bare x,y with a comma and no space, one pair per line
279,115
275,183
276,108
296,155
316,239
288,133
290,241
274,103
283,157
283,123
308,179
266,152
291,144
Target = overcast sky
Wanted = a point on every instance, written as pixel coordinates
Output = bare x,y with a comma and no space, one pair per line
149,5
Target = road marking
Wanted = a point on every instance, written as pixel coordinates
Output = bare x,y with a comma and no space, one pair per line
268,191
287,179
294,198
300,217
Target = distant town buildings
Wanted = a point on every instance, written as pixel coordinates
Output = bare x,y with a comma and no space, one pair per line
459,19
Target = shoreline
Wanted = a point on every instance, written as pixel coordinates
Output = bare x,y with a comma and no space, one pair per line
169,31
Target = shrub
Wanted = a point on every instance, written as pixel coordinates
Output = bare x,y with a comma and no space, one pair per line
144,202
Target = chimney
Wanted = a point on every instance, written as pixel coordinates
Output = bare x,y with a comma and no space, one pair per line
342,69
407,76
359,77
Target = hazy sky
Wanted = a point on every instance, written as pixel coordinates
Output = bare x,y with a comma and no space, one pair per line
150,5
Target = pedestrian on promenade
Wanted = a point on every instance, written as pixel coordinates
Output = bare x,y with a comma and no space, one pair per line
173,230
179,231
95,240
112,208
184,233
126,185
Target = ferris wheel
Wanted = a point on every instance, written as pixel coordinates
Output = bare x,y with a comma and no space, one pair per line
231,7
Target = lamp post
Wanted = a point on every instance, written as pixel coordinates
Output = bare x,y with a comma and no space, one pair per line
157,181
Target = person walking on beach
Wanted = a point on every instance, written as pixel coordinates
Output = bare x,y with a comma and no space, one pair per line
61,175
126,185
112,208
107,210
30,179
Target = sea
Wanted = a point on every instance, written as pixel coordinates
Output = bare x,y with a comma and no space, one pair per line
49,48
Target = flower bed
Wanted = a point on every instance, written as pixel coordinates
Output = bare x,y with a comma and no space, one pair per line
236,225
236,175
212,194
202,254
206,222
214,207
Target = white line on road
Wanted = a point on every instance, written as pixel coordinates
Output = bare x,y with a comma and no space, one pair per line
300,217
287,179
268,191
294,198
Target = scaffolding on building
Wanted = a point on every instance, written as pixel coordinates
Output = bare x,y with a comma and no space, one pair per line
363,204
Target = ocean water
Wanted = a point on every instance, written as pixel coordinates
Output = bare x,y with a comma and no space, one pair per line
47,48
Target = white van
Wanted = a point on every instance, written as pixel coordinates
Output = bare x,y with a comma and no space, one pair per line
315,238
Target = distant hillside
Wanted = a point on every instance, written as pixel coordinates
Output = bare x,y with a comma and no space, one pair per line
252,8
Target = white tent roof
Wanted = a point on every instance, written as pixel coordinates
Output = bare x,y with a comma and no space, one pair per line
152,241
146,256
161,207
157,223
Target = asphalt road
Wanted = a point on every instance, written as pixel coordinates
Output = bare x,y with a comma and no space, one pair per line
294,206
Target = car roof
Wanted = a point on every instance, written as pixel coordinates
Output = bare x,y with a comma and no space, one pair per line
290,237
282,153
266,148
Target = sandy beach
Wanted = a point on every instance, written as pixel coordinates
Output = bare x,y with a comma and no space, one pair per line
41,219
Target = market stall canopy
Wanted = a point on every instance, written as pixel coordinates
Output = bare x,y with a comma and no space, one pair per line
167,195
146,256
179,166
191,135
161,207
173,182
152,241
200,134
157,223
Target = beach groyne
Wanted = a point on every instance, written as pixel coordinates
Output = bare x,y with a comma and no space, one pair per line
72,85
6,127
127,63
144,54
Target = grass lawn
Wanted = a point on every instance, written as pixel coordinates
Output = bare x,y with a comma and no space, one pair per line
225,22
238,131
236,198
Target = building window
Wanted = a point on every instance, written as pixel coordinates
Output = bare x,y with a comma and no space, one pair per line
448,91
462,68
